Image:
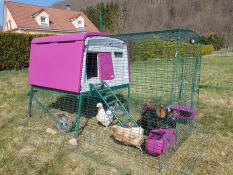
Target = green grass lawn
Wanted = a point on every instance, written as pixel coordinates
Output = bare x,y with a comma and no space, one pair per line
26,148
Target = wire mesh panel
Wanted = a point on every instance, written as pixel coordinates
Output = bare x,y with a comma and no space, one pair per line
138,98
164,89
62,107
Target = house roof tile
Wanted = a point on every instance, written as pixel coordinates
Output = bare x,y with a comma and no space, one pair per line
24,16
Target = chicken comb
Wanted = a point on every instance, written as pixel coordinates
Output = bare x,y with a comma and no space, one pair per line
147,105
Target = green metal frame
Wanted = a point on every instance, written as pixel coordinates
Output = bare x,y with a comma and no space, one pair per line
78,115
167,35
176,82
79,97
101,21
30,94
130,119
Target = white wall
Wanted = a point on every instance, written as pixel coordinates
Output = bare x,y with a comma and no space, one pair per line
8,17
120,65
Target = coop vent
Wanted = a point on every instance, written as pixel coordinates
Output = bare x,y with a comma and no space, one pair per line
105,42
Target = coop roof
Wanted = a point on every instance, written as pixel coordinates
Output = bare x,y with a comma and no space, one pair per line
66,38
166,35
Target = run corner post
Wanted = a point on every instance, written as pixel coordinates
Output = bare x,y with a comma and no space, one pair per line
78,115
30,94
101,21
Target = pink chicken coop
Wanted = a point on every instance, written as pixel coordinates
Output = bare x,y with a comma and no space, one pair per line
79,64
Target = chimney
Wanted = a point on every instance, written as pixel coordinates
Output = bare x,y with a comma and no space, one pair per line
68,7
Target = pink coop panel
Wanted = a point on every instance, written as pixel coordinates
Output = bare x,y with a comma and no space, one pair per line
106,67
56,61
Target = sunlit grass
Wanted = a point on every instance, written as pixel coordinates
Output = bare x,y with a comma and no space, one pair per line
25,147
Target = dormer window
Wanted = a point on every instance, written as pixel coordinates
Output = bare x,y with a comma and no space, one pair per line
43,20
80,24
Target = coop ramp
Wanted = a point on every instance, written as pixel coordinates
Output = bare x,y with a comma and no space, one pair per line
121,115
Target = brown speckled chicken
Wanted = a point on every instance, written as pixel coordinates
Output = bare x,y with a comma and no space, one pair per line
129,136
161,111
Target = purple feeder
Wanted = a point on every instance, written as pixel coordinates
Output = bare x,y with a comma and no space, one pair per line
160,140
184,112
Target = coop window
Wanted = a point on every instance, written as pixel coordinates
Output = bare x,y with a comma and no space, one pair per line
118,54
91,65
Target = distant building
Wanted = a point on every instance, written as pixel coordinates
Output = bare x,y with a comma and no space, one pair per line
26,18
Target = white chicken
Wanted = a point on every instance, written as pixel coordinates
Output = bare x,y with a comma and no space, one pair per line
105,118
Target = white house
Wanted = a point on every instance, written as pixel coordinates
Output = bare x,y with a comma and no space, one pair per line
27,18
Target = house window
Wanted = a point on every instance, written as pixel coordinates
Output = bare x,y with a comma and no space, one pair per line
80,24
43,20
9,24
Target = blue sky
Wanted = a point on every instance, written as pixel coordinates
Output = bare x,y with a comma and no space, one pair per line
35,2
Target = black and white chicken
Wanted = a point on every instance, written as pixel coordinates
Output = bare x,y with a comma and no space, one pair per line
160,118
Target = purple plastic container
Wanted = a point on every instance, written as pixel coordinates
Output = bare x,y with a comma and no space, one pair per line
160,140
184,112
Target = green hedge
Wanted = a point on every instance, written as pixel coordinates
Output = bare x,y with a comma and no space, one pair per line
154,48
207,49
14,50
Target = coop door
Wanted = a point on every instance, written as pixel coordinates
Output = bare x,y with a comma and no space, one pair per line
106,71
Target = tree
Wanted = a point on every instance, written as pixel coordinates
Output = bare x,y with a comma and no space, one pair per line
109,15
213,39
206,17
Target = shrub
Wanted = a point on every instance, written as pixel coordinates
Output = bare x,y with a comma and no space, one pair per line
207,49
14,50
154,48
213,39
109,15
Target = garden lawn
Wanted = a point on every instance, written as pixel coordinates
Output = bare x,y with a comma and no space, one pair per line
26,148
